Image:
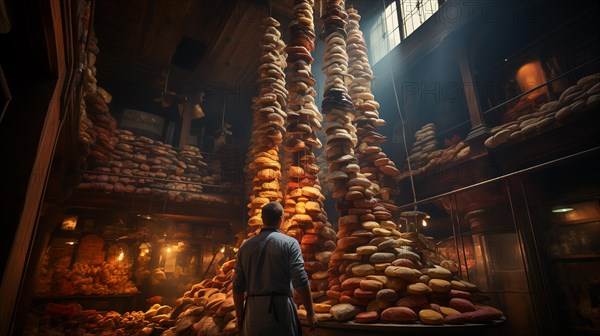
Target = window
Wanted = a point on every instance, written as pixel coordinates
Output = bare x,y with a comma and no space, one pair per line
415,12
385,33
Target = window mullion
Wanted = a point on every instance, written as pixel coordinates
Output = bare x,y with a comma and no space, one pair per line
400,20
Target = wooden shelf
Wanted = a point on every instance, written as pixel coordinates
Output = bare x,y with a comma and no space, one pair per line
560,140
200,212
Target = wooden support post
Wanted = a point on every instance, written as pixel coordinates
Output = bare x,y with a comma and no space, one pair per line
186,121
478,129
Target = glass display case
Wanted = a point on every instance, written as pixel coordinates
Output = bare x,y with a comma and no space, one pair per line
476,230
118,261
530,241
566,215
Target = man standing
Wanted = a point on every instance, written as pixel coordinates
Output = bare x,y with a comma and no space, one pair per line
268,268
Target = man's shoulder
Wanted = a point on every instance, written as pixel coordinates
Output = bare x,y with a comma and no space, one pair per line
249,241
282,236
278,235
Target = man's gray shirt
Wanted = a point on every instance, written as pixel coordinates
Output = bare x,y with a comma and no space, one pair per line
268,267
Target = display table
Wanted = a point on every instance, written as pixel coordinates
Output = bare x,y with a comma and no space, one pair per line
335,328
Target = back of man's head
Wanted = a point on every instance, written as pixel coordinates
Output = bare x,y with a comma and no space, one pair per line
271,214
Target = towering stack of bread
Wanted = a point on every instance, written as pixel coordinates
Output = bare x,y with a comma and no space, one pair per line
382,274
90,83
104,125
96,123
340,134
264,168
351,187
90,86
373,161
305,217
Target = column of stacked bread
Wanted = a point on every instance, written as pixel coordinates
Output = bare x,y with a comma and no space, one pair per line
350,187
96,124
207,308
305,217
386,275
268,123
103,129
374,224
89,84
374,163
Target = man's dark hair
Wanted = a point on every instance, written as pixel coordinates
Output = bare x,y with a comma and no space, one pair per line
272,213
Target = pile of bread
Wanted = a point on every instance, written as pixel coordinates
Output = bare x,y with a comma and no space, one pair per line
264,167
60,320
205,309
575,101
159,316
425,155
138,164
125,163
425,144
400,278
104,279
305,217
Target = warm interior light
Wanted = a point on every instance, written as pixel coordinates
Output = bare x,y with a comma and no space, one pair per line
531,75
561,209
198,112
70,243
168,249
235,249
69,223
121,256
424,223
223,249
